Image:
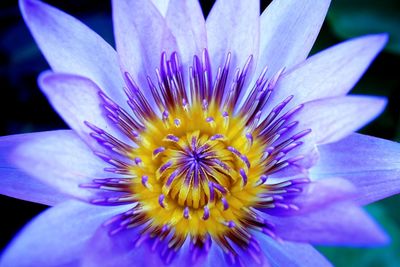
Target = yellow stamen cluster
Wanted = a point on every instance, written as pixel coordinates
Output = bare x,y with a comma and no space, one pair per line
197,170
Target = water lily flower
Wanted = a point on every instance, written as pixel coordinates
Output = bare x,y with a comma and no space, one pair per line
214,142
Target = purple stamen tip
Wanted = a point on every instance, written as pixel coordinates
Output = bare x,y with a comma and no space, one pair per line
206,214
165,115
220,188
186,213
138,160
263,179
249,136
216,136
165,166
158,150
172,137
205,104
145,178
231,224
244,176
225,203
171,178
211,187
161,201
177,122
164,228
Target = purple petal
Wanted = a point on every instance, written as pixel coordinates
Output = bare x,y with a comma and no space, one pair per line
331,119
288,31
187,24
141,35
291,254
233,26
71,47
342,223
61,160
371,164
121,249
162,6
57,236
332,72
317,195
16,183
77,100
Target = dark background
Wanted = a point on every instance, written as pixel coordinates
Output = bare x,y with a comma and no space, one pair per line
24,109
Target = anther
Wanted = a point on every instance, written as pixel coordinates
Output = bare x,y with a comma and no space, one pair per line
250,140
186,212
171,137
239,155
157,151
165,119
206,214
165,166
216,136
224,203
230,224
212,193
219,187
225,115
138,161
185,104
244,176
262,180
177,123
211,121
145,183
161,201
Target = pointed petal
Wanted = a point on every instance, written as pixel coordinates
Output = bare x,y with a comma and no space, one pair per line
16,183
371,164
331,119
71,47
187,24
317,195
57,236
233,26
342,223
77,100
61,160
291,254
141,35
332,72
288,31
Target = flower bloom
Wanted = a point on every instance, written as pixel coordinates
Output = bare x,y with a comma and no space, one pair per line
204,143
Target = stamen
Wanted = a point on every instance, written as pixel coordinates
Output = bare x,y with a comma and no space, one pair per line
224,203
244,176
206,213
186,213
201,146
158,151
161,199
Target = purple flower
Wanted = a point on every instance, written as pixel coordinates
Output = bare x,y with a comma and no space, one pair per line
202,143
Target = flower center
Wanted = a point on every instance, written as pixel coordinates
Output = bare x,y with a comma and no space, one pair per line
198,165
200,160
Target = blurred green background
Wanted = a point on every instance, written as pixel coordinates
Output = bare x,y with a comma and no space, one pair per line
21,62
